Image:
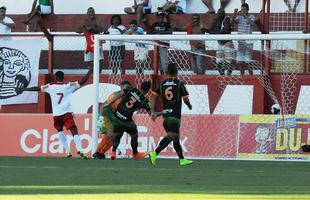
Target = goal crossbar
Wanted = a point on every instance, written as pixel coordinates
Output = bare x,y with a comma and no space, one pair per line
278,36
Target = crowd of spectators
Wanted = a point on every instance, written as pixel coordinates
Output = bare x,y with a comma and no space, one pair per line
241,22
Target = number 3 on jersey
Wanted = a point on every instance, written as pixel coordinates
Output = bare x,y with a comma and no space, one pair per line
169,93
61,95
131,102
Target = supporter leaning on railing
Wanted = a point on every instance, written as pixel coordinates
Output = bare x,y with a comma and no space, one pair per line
90,25
117,53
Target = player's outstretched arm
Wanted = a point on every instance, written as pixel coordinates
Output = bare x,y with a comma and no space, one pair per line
86,77
34,89
154,115
157,114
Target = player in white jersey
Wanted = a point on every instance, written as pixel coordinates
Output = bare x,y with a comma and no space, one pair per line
60,94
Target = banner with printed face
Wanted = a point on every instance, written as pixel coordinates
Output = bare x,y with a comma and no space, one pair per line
19,68
201,136
273,137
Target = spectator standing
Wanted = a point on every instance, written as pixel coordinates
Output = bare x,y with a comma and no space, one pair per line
90,25
198,47
140,50
117,52
245,23
162,27
225,52
140,8
6,24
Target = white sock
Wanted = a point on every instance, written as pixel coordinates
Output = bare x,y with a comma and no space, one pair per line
63,140
78,143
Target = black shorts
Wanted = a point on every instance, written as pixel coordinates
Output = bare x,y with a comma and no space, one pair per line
172,124
128,127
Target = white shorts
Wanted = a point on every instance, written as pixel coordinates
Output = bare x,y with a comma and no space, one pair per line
90,56
45,10
140,53
225,52
245,51
146,9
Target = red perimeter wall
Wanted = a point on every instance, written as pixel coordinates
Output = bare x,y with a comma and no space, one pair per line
261,102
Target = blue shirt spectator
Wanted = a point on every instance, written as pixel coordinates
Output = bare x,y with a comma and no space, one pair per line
136,30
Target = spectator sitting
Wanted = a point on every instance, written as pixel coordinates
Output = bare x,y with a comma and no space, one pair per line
134,28
6,24
162,27
208,3
89,27
245,23
289,6
225,53
173,7
117,52
45,7
140,8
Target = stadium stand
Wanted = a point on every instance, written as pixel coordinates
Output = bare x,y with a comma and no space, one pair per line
64,23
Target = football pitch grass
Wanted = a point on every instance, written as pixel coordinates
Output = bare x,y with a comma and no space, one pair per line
49,178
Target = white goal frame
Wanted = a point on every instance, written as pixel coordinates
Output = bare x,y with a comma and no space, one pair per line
98,38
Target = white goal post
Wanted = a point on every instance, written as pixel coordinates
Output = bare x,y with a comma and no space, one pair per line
173,37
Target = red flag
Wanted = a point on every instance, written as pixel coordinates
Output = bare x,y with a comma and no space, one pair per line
190,29
90,38
89,42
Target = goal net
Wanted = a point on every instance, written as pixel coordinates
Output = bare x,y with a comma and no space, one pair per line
233,80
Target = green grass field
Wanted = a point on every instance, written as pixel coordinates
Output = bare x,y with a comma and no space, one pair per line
62,178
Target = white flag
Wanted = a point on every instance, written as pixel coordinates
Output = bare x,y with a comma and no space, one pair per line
19,68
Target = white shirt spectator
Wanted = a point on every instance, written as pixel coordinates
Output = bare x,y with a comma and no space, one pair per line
60,94
5,29
116,31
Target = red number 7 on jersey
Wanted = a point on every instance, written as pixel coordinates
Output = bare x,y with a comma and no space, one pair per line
61,95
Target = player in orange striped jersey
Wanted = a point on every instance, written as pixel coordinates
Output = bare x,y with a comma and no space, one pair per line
106,120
